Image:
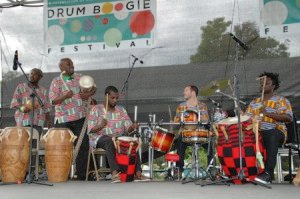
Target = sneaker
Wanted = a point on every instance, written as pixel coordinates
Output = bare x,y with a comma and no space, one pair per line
264,178
115,178
139,177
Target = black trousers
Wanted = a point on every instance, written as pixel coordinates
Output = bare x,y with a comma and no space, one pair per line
105,142
81,161
272,140
181,148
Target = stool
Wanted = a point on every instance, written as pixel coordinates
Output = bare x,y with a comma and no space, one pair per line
102,164
284,152
172,158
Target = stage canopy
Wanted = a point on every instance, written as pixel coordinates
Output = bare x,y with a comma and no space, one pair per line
192,44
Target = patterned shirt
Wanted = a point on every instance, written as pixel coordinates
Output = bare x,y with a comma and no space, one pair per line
71,109
21,97
276,104
200,106
118,122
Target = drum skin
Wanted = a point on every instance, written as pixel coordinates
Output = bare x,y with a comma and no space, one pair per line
58,153
14,157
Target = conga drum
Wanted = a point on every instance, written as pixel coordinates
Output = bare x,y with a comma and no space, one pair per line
58,153
199,135
190,118
14,153
126,154
228,147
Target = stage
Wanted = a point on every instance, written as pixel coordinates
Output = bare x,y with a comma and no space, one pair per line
104,189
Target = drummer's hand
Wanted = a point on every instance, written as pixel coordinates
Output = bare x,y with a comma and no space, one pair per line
103,123
85,95
49,124
134,126
69,94
25,109
263,111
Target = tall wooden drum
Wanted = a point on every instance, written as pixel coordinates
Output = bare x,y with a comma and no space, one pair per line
14,156
58,153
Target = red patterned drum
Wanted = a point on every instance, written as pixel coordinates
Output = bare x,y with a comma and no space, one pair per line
15,153
228,147
162,140
126,152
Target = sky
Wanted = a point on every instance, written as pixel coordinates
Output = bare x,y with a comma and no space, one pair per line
177,35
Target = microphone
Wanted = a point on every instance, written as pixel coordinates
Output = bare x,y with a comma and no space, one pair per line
141,61
214,102
242,44
16,61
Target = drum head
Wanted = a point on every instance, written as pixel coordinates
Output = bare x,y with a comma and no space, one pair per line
128,139
161,129
86,82
234,120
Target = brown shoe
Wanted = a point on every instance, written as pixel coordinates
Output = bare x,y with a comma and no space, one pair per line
115,178
139,177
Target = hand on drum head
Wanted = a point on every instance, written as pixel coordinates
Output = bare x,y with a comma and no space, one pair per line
134,126
85,95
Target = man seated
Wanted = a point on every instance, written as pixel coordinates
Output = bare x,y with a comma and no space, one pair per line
191,102
273,111
105,124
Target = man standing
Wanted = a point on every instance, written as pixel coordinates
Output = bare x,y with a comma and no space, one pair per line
191,102
22,102
105,124
273,112
66,96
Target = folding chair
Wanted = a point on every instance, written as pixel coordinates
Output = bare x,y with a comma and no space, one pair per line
94,152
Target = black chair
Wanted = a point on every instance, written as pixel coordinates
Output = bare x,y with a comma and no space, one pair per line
292,143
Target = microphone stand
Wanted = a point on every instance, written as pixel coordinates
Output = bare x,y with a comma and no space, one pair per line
236,98
125,87
33,95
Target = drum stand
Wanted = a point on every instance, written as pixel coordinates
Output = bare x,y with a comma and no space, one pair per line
152,119
29,178
198,172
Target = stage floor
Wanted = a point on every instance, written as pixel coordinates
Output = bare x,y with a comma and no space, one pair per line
157,190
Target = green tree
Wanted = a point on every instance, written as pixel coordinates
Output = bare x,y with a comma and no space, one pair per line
217,45
10,75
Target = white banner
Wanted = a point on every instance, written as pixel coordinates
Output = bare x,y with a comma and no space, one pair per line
78,26
279,17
